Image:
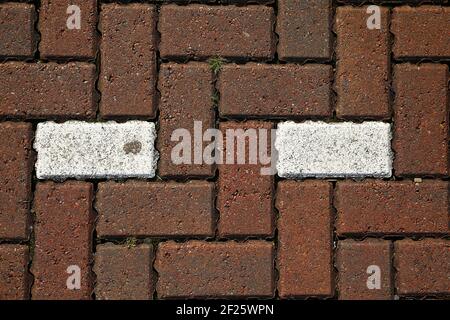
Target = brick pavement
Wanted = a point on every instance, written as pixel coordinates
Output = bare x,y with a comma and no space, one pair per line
87,223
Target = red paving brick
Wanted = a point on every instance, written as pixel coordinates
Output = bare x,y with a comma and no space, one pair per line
203,31
186,91
362,65
304,239
422,267
358,262
138,208
14,277
421,32
245,196
223,269
63,238
421,119
48,90
221,230
308,20
15,179
19,38
261,90
124,272
127,78
60,41
408,207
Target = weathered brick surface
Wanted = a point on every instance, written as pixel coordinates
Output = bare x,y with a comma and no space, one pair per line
245,195
138,208
202,229
304,239
392,207
47,90
421,119
421,31
128,54
423,267
57,40
63,238
93,150
15,179
186,96
275,90
340,149
354,263
304,29
124,273
17,30
201,31
362,64
14,277
222,269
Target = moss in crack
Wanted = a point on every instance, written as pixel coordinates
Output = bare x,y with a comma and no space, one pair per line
215,100
130,242
216,63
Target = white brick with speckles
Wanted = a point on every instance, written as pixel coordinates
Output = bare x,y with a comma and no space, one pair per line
77,149
328,150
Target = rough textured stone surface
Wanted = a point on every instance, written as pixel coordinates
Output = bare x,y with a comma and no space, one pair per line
421,31
57,40
95,150
304,239
128,60
275,90
423,267
421,119
229,31
186,96
362,64
407,207
245,194
225,230
17,30
353,262
63,238
304,29
14,277
319,149
222,269
124,273
15,179
47,90
141,208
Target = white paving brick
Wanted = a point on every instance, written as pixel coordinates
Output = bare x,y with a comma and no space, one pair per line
77,149
327,150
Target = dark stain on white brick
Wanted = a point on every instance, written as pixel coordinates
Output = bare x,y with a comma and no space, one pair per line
133,147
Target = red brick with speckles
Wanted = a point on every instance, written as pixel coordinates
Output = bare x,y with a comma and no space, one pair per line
304,239
16,163
14,277
392,207
423,267
57,39
124,272
421,119
63,238
48,90
201,31
362,64
198,269
360,262
17,30
245,193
